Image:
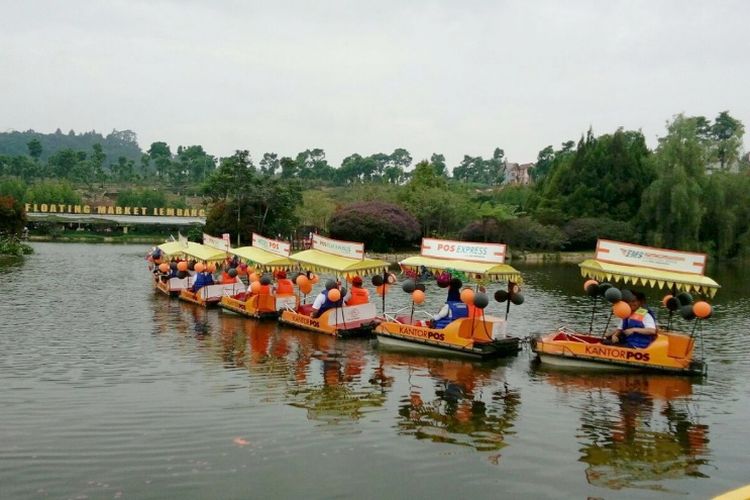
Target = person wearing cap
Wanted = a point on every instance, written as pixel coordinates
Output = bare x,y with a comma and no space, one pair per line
357,295
284,286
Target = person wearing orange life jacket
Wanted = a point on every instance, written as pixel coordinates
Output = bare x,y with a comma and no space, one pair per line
229,276
284,286
357,295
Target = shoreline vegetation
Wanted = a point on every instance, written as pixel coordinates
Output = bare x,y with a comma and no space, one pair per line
13,247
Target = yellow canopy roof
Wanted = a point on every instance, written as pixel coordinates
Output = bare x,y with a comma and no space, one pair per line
645,276
322,262
195,250
476,270
261,257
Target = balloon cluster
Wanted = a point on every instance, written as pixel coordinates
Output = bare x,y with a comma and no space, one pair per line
514,296
381,284
417,290
304,283
683,303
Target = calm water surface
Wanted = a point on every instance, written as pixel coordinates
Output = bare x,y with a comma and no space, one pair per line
112,391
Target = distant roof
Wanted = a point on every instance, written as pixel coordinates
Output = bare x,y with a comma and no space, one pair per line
122,220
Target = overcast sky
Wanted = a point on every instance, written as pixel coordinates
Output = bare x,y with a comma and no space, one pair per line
366,77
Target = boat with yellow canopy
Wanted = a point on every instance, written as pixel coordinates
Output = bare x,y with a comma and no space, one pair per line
467,329
267,255
208,255
680,273
172,256
344,259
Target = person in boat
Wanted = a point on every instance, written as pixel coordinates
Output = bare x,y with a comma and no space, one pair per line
358,294
322,303
638,330
227,277
284,286
453,308
202,279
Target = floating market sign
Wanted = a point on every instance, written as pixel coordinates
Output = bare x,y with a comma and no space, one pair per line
338,247
655,258
61,208
493,253
274,246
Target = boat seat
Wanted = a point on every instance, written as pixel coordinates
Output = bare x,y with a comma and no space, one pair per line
305,309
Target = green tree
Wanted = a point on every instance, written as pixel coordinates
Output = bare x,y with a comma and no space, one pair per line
35,148
727,133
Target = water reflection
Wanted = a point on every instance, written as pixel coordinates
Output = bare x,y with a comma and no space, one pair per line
455,401
636,430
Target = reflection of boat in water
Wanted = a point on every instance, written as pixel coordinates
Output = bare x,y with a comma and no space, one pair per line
344,259
669,351
637,429
468,331
454,401
268,255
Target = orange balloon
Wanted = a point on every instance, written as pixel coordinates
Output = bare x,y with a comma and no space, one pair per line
589,283
417,296
199,267
621,309
182,266
255,287
164,267
211,267
666,299
702,309
467,296
334,295
302,280
253,277
241,270
315,278
306,288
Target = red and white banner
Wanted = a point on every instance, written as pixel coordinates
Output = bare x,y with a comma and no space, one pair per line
218,243
492,253
655,258
274,246
338,247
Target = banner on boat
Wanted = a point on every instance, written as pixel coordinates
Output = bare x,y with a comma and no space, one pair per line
218,243
338,247
493,253
274,246
655,258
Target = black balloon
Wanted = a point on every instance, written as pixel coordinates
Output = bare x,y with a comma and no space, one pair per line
685,298
343,292
603,287
628,296
673,304
517,299
173,266
501,295
481,300
330,284
613,295
191,265
377,280
408,286
456,283
592,290
686,312
182,274
421,287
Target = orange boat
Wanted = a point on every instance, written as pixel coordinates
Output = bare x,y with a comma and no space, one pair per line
267,255
670,351
477,334
344,259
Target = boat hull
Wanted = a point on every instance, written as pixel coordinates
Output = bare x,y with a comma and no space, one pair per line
347,321
257,306
670,352
465,336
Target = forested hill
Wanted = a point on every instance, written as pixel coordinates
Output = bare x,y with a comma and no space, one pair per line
114,145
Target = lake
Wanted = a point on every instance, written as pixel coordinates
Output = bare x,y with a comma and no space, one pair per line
110,390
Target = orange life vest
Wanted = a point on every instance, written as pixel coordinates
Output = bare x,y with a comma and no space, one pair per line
359,296
284,287
227,280
265,290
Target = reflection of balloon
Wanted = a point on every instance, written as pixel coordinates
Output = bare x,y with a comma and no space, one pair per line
330,284
377,280
164,267
685,298
481,300
182,266
517,299
613,295
255,286
621,309
334,295
382,289
702,309
306,287
673,303
417,296
199,267
467,296
409,286
302,280
501,295
686,312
